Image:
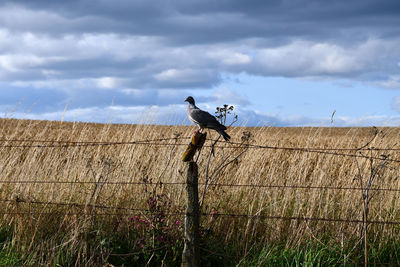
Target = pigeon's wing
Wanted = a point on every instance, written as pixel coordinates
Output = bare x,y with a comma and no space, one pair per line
205,119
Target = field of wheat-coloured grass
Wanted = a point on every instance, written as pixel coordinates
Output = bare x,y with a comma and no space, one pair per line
72,199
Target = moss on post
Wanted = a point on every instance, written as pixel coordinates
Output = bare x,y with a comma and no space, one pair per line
196,143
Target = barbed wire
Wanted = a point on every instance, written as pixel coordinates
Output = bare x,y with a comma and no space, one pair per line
200,183
330,152
68,144
73,204
303,187
91,142
158,142
300,218
212,214
64,143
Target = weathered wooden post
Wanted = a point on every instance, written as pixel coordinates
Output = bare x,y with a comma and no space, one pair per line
191,254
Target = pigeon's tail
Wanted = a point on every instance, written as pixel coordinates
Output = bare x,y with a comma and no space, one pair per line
224,135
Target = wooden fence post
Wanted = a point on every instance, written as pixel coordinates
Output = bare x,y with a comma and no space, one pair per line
190,255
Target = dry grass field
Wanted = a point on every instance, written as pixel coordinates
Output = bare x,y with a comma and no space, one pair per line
94,175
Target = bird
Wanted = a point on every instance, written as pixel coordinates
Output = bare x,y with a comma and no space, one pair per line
203,119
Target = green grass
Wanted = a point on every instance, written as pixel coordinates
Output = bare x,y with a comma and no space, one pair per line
8,255
319,254
8,258
123,251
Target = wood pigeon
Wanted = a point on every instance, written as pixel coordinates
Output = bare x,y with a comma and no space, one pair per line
204,119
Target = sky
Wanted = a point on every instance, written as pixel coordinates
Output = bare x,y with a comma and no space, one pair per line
278,62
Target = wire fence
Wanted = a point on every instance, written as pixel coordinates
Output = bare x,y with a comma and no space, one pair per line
306,187
128,211
159,141
174,141
162,142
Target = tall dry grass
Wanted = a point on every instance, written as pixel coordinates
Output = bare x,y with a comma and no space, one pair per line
41,233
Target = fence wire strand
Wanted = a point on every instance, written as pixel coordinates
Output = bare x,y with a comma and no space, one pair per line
148,211
160,142
66,143
200,183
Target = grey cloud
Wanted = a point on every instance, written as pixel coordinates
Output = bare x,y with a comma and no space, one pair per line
210,22
205,24
187,78
95,67
237,19
89,52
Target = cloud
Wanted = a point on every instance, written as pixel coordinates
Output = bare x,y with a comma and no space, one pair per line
108,82
46,99
186,78
368,121
45,60
227,96
396,103
175,114
206,20
305,58
392,82
89,54
189,44
167,115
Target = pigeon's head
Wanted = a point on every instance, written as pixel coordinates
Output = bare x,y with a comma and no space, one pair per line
190,100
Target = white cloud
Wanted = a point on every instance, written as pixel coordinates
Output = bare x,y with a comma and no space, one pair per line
181,75
58,84
20,62
175,78
228,56
306,58
107,82
226,96
392,82
367,121
237,58
170,74
168,115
